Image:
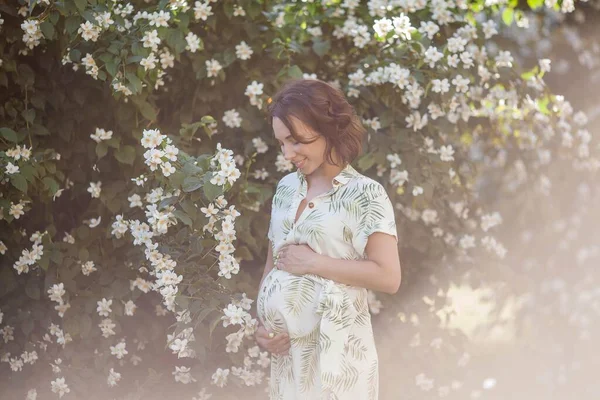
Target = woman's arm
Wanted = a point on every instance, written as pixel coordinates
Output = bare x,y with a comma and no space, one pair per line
268,264
381,270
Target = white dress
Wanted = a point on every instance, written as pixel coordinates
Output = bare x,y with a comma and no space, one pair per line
332,354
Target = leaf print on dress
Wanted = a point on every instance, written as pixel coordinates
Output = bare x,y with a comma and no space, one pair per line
373,381
346,199
311,339
283,196
348,234
298,295
309,367
274,322
283,368
311,228
342,381
356,349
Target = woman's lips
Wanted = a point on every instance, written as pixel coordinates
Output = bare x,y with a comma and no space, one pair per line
300,164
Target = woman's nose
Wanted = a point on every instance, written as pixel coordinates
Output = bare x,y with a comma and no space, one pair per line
288,153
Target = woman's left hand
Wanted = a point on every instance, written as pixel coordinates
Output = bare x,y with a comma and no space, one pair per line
297,259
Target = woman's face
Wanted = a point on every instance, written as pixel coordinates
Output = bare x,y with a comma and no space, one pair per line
306,157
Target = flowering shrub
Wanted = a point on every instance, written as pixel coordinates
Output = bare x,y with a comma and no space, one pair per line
110,224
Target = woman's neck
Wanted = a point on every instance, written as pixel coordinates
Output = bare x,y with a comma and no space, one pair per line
324,174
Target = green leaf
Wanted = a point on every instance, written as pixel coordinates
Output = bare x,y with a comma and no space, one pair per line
535,4
366,161
47,29
56,257
75,55
26,74
189,130
212,191
134,59
114,142
528,75
40,130
294,72
19,182
543,105
183,217
50,167
44,262
50,184
72,24
112,67
203,162
9,135
126,154
27,171
508,16
191,183
184,21
84,254
321,47
81,4
167,202
101,149
189,207
176,179
54,17
32,288
135,84
207,119
176,40
146,109
228,57
28,115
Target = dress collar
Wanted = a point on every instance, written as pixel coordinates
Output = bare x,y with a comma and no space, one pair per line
342,178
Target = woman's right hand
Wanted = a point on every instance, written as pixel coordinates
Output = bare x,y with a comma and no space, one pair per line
277,344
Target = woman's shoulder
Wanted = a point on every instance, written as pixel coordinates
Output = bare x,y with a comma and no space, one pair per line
367,186
290,180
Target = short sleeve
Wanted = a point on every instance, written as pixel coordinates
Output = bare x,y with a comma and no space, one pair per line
379,217
271,233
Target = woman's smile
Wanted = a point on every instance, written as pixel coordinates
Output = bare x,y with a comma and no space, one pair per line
300,164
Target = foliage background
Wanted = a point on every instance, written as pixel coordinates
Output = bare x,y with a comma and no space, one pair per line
51,105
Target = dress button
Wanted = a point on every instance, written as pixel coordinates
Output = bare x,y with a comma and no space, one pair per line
311,204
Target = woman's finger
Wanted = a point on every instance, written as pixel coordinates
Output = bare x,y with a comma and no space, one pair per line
280,343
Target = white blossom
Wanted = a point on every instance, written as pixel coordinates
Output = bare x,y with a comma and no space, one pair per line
232,119
243,51
118,350
202,10
113,377
213,67
60,387
219,378
104,307
95,189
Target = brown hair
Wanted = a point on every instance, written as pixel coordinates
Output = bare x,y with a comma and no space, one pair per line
325,110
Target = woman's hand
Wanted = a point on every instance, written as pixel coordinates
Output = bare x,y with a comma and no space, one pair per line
297,259
276,344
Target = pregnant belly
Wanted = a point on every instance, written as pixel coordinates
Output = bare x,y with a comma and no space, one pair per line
288,303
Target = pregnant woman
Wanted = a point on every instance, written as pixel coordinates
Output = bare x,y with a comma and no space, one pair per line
332,236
